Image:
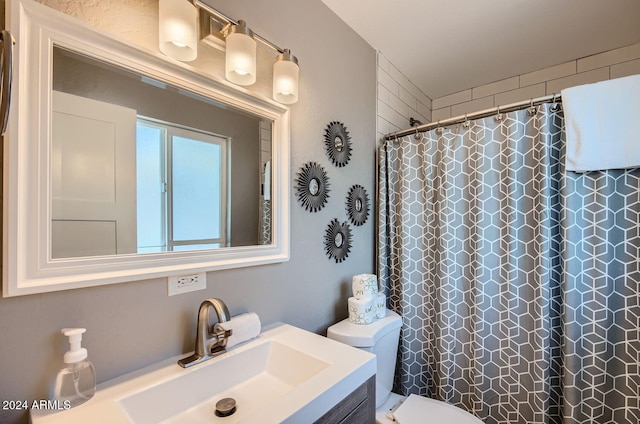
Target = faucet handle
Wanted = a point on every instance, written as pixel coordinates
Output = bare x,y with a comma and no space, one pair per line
221,333
220,336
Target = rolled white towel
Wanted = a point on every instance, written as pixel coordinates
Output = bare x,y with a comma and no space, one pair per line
243,327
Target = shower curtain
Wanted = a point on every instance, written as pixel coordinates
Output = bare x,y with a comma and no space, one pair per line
517,282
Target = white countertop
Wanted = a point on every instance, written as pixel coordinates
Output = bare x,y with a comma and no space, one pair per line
346,369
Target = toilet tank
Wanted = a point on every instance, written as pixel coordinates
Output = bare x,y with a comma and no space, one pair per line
381,339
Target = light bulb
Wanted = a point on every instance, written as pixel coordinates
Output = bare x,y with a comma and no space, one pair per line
240,58
286,78
178,29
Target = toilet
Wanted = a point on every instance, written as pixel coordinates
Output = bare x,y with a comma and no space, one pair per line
381,338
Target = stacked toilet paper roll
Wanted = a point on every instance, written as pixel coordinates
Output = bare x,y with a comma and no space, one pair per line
380,305
361,310
367,304
364,285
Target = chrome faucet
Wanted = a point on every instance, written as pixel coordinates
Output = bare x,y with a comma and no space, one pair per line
209,343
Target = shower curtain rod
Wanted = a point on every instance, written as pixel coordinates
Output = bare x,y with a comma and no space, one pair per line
475,115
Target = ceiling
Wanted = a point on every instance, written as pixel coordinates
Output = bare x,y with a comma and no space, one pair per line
446,46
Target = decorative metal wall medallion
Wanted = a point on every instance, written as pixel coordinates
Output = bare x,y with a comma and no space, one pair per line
358,205
312,186
338,143
337,240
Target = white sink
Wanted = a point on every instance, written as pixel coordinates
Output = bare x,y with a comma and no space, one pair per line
254,378
285,375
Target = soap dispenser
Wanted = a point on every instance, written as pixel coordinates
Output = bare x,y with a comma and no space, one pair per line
76,382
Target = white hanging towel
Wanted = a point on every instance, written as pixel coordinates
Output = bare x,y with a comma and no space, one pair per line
601,123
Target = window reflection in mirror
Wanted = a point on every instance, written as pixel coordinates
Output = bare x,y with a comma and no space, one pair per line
142,167
181,180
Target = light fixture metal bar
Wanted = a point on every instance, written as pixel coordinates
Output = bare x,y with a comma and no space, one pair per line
215,12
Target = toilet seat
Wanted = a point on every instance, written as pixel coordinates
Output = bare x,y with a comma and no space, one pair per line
417,409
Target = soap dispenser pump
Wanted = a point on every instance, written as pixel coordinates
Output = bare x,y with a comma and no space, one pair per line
76,382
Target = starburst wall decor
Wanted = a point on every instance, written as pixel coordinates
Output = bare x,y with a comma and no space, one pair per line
337,240
312,186
357,205
338,143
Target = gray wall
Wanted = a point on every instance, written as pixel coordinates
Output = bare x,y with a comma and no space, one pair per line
131,325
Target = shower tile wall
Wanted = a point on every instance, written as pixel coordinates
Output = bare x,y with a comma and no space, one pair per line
398,99
616,63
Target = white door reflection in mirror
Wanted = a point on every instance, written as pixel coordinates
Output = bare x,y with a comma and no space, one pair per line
182,188
93,177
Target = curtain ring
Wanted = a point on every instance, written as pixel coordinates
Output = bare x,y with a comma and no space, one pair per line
465,124
532,109
554,106
498,116
438,128
421,136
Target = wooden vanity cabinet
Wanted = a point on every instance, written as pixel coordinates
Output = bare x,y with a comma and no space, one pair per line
359,407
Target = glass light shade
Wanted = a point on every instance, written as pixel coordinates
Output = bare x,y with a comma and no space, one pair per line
241,55
178,26
285,78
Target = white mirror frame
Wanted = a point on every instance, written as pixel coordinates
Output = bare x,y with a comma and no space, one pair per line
27,264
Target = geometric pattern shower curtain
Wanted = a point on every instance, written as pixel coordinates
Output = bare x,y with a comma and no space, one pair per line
517,282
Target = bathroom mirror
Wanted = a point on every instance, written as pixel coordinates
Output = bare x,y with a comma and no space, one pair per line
122,164
189,172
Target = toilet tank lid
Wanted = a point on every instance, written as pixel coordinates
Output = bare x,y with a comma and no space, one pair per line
364,335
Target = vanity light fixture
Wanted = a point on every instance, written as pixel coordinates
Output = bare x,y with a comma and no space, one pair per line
178,29
240,60
239,43
285,78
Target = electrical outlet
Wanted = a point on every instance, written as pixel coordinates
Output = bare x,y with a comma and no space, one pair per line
187,283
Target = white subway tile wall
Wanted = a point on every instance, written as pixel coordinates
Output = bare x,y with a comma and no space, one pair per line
625,69
616,63
398,99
